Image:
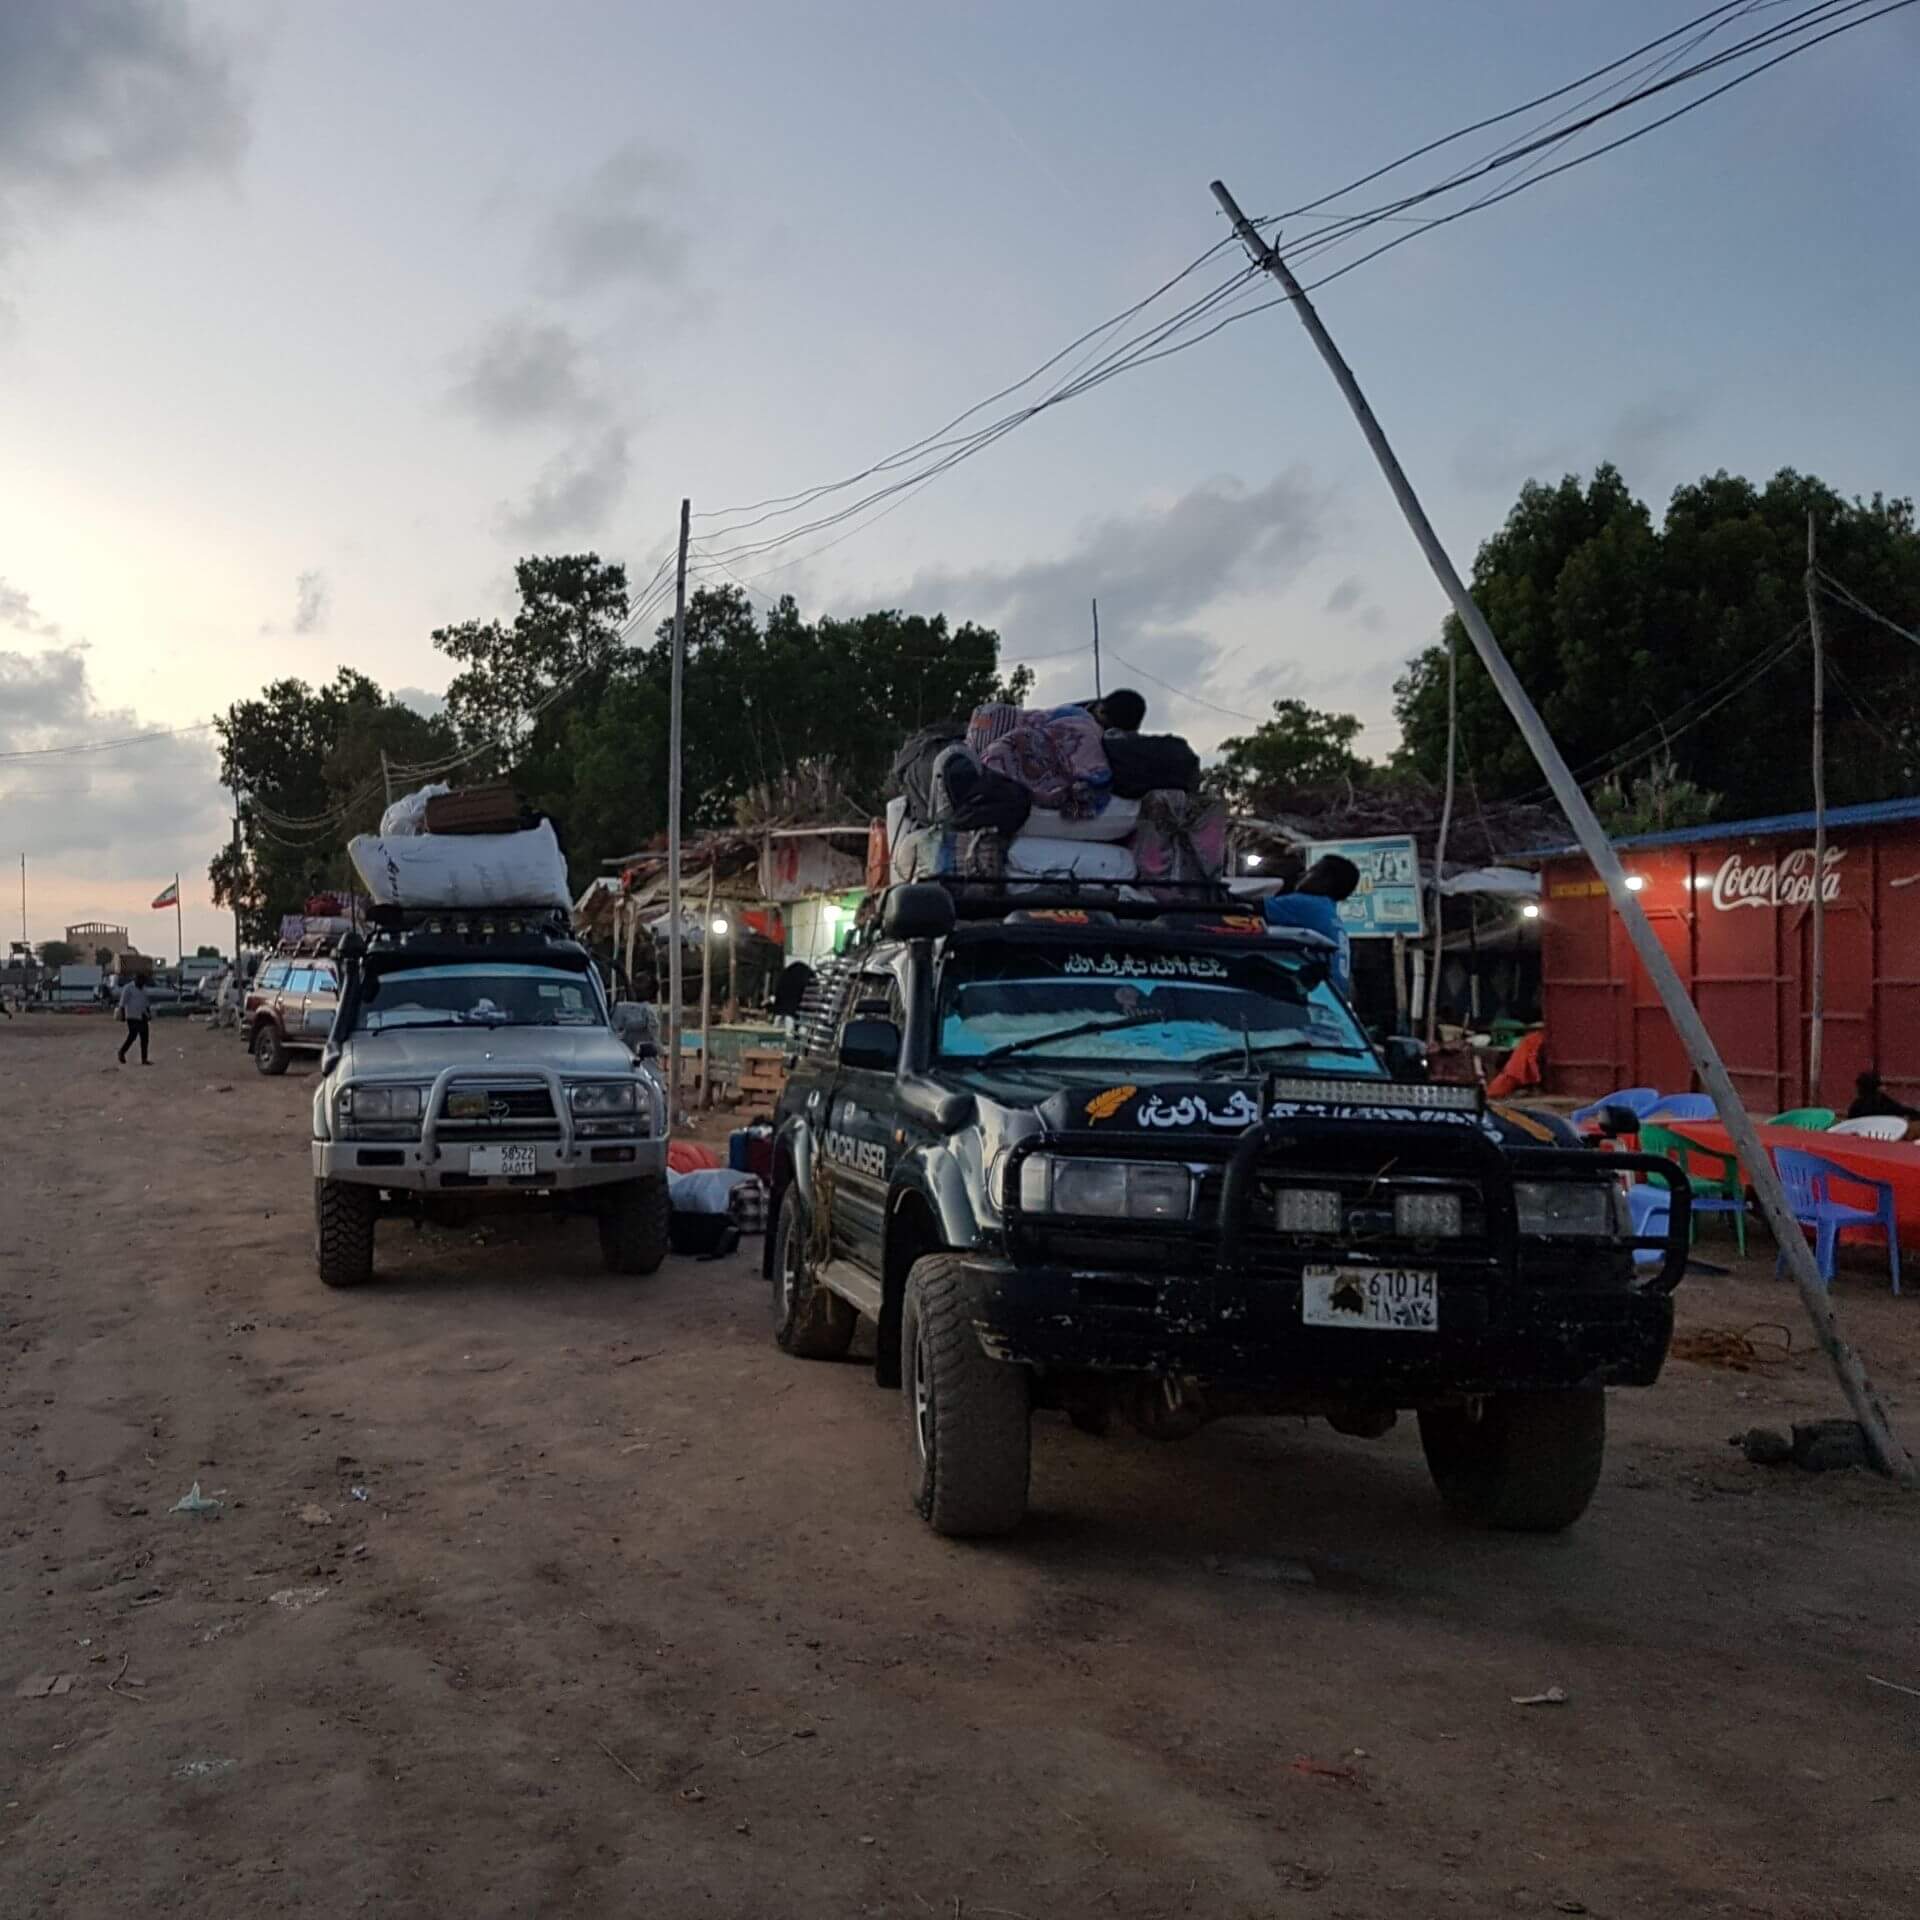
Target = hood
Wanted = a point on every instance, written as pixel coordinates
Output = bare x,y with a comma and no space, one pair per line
421,1052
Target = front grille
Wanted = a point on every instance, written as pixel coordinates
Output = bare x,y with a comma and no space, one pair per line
513,1113
503,1103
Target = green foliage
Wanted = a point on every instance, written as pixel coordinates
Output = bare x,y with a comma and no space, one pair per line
1625,634
1660,799
761,700
58,953
306,764
207,953
104,956
1299,748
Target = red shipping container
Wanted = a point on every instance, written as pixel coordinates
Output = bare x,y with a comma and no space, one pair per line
1732,905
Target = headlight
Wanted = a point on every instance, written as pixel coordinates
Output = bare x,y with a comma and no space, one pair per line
605,1096
1584,1209
1427,1216
379,1103
1307,1210
1115,1189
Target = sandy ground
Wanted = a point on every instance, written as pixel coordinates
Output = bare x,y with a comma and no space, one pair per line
634,1617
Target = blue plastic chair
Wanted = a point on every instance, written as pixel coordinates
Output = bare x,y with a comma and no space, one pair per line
1681,1106
1809,1180
1642,1100
1650,1208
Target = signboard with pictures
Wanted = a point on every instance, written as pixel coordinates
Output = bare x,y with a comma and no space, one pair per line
1387,900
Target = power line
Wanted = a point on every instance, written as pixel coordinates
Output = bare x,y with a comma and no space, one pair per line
1233,713
108,746
1835,591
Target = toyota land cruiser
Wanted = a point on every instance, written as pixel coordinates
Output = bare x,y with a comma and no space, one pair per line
1144,1160
473,1064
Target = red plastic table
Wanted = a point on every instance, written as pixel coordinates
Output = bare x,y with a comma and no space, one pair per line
1895,1161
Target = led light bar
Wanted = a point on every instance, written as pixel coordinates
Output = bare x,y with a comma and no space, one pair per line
1378,1093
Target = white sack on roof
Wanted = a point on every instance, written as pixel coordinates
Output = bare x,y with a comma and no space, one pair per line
463,869
408,814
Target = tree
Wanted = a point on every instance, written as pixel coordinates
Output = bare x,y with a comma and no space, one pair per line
1661,799
1679,643
761,698
104,956
59,953
305,763
207,953
1299,747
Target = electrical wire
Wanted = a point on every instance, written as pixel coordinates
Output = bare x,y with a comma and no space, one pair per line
108,746
1835,591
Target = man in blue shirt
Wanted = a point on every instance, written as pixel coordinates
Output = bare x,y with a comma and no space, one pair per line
1315,905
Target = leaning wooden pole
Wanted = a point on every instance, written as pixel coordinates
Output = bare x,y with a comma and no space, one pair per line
1848,1369
1817,1000
676,932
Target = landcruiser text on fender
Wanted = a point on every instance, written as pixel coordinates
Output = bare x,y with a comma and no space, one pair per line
1125,1158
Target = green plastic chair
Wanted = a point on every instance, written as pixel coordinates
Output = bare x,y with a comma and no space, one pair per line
1807,1119
1718,1192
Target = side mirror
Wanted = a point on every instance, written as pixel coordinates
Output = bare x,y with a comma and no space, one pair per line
1407,1059
872,1045
921,912
646,1050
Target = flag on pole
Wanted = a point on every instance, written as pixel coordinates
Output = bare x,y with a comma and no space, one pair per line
169,895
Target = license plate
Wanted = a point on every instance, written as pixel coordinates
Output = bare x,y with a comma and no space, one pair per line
500,1160
1393,1299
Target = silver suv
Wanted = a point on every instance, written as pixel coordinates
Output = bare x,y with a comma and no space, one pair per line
475,1066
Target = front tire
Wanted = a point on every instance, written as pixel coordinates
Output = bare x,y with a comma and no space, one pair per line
809,1321
343,1217
634,1225
1528,1464
270,1054
969,1416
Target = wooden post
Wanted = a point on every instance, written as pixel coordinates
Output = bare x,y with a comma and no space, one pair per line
1440,845
1848,1369
1096,650
733,983
675,931
1400,983
706,996
1817,1009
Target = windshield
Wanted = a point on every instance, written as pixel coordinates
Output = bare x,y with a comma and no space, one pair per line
491,994
1213,1012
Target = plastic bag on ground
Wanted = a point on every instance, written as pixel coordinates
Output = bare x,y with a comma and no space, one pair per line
408,814
463,870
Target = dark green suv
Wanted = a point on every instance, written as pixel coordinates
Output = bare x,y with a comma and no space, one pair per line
1123,1158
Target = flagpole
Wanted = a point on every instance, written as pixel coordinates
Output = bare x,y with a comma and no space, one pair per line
179,932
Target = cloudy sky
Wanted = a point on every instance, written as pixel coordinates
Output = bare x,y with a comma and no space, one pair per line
314,318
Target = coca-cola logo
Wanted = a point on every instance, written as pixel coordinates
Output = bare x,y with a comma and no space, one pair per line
1787,882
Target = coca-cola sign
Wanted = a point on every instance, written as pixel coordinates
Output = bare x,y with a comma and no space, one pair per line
1786,882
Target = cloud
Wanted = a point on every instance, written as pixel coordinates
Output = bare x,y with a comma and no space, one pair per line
610,230
134,812
17,610
102,98
429,706
576,491
1156,572
1492,460
1647,428
1346,596
310,602
524,372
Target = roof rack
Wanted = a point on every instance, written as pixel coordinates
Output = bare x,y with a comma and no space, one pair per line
1066,893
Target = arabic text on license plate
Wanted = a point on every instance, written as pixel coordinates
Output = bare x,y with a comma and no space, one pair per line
1397,1299
500,1160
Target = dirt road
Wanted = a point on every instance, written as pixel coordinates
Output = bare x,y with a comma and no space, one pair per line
633,1616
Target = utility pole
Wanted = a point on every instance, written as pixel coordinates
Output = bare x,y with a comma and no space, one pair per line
1096,650
1865,1402
386,777
1440,846
235,791
23,904
706,996
676,931
1817,1009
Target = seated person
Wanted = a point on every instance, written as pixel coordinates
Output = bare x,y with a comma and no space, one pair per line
1871,1099
1315,905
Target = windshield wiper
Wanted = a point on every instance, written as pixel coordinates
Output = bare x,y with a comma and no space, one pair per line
1248,1050
1142,1019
